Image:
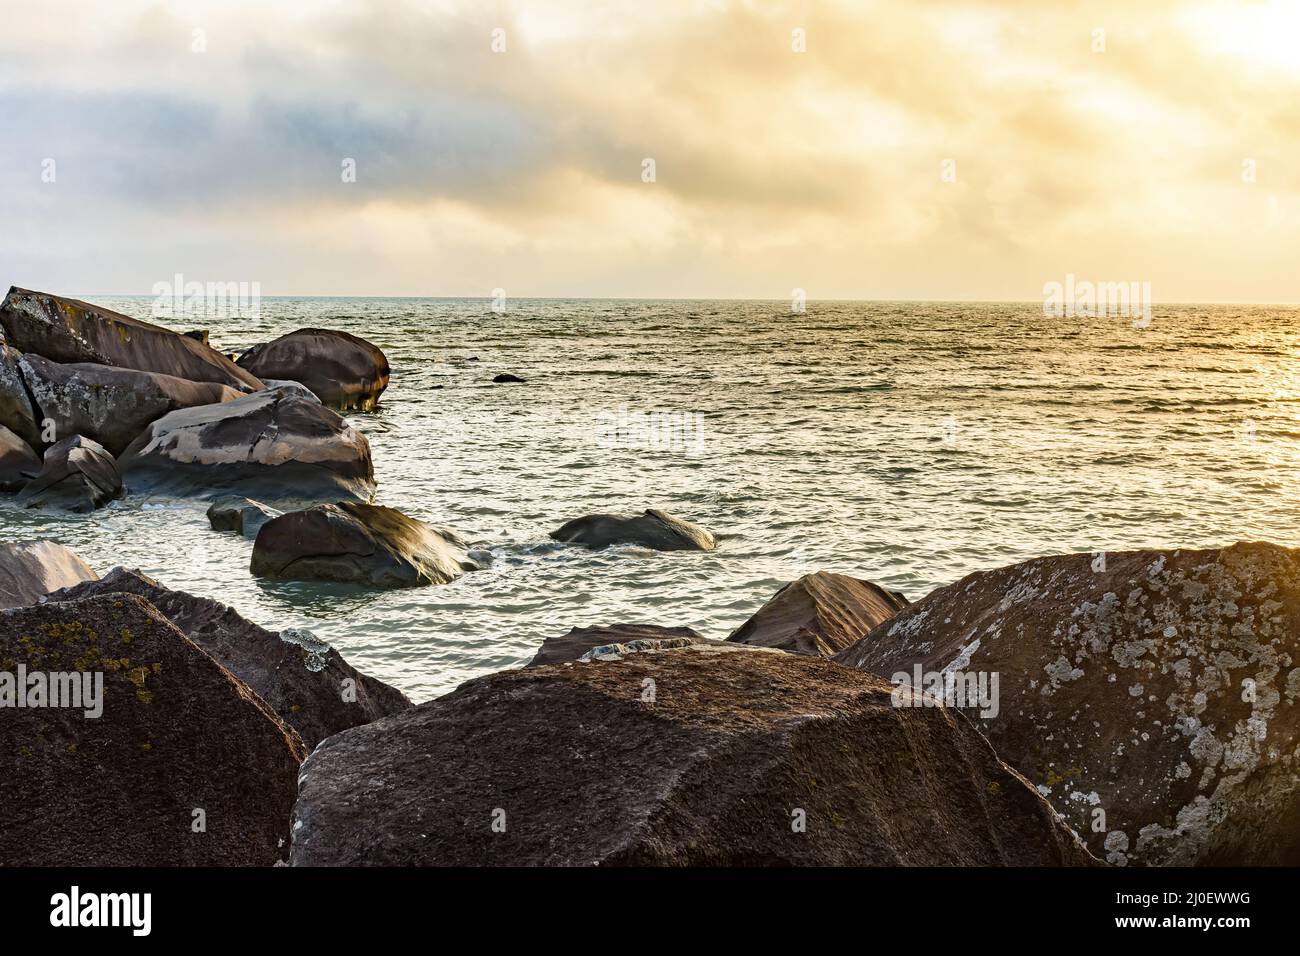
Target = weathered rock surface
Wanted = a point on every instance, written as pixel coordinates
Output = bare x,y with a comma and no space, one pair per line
29,570
272,446
344,371
819,614
304,680
18,463
111,405
581,640
179,740
68,330
241,515
1161,688
655,529
368,544
77,475
735,753
16,411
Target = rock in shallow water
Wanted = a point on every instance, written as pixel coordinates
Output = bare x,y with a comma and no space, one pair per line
819,614
692,756
367,544
77,475
68,330
312,688
241,515
29,570
110,405
1153,694
655,529
179,740
272,446
344,371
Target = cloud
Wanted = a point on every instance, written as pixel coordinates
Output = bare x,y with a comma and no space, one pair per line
209,138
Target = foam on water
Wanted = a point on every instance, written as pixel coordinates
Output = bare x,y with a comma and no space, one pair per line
905,443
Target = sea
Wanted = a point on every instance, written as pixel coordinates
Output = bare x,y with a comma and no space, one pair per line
905,443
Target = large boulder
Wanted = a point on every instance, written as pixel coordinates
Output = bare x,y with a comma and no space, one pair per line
16,411
272,446
819,614
344,371
241,515
304,680
18,463
77,475
583,640
1153,696
68,330
29,570
182,764
111,405
367,544
686,756
655,529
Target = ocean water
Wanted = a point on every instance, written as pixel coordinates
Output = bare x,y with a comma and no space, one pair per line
906,443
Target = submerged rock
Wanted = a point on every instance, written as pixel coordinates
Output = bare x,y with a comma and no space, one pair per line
184,765
1153,696
110,405
655,529
819,614
18,463
77,475
29,570
581,640
691,756
309,685
68,330
505,378
368,544
241,515
273,446
344,371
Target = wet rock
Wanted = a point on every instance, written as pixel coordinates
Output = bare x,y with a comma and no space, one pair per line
18,463
581,640
304,680
29,570
77,475
655,529
293,388
1153,696
344,371
68,330
819,614
272,446
241,515
367,544
699,755
183,766
16,411
110,405
506,378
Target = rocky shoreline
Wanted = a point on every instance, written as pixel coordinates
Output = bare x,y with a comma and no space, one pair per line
1132,708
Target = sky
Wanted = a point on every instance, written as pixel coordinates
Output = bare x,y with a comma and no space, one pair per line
897,149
